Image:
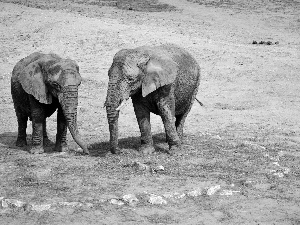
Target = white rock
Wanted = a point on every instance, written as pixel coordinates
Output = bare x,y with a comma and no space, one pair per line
12,203
4,204
279,174
286,170
40,208
116,202
213,190
156,200
71,204
141,166
174,195
130,199
227,192
195,193
158,168
89,205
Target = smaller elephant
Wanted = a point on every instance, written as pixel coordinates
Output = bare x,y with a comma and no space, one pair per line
163,80
40,84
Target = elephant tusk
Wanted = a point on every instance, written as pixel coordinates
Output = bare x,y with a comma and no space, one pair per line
121,105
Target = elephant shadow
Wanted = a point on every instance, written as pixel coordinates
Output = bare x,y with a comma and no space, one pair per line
102,148
98,149
8,139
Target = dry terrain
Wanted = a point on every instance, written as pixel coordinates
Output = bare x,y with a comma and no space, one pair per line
240,161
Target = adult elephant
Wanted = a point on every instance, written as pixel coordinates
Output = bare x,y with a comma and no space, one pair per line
40,84
163,80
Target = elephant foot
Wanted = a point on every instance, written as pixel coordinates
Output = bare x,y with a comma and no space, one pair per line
47,142
115,151
146,149
37,150
21,142
61,148
174,150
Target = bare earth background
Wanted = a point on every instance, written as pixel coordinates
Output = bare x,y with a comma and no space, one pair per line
240,162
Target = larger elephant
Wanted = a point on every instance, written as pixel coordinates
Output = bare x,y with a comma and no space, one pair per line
163,80
40,84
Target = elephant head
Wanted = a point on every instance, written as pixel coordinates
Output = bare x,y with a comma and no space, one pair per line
47,76
135,71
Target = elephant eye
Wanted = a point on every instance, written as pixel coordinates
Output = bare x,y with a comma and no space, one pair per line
130,79
56,85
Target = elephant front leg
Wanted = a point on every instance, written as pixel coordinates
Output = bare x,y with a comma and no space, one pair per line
166,108
47,142
143,118
22,126
61,136
38,117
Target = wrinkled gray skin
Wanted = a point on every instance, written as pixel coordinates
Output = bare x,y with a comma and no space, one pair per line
40,84
163,80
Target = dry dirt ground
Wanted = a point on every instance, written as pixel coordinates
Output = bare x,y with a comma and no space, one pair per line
240,162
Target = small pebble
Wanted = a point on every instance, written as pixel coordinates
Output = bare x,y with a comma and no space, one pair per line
195,193
213,190
130,199
156,200
116,202
40,208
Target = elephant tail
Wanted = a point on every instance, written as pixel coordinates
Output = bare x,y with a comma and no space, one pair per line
199,102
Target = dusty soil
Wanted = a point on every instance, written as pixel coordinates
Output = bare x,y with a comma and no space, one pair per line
244,142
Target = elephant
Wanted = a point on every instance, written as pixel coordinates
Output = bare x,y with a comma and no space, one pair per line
40,84
163,80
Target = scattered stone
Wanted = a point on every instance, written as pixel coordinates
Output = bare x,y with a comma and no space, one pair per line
12,203
195,193
286,170
158,168
116,202
279,174
255,146
88,205
156,200
71,204
227,192
40,208
140,166
130,199
175,195
4,204
213,190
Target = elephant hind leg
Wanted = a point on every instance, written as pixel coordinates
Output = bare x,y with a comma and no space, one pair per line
180,119
22,126
179,123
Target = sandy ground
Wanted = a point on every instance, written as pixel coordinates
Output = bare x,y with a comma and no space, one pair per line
244,141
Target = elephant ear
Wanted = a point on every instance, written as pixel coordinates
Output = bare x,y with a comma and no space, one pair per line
158,72
32,79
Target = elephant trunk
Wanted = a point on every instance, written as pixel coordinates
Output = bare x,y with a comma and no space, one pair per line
112,117
69,102
116,95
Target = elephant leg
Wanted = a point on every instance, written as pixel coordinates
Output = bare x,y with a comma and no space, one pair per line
180,119
61,136
166,107
46,140
143,118
38,117
22,126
